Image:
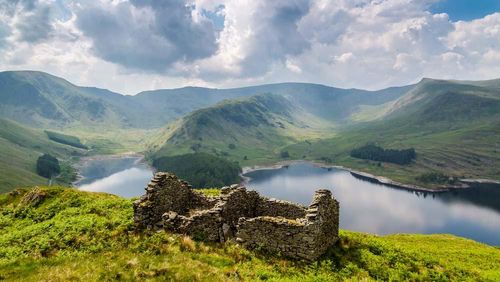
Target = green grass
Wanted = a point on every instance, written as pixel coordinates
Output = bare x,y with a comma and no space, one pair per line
256,127
66,234
20,147
468,152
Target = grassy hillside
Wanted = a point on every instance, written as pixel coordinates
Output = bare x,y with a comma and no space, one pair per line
327,102
20,147
255,127
453,125
65,234
454,128
40,99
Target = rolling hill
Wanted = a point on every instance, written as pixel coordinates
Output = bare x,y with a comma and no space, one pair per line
43,100
324,101
454,127
255,127
20,147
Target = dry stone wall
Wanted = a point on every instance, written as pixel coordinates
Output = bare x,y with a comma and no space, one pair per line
164,193
252,220
306,238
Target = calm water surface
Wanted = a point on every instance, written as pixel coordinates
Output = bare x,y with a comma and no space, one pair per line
125,176
364,206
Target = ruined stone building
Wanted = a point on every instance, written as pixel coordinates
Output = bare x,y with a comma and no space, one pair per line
245,216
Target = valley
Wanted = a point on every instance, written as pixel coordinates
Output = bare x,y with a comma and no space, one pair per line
452,125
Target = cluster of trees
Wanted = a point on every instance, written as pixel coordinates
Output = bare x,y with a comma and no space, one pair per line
376,153
436,178
47,166
201,170
65,139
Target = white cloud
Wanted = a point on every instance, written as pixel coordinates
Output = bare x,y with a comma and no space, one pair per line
363,43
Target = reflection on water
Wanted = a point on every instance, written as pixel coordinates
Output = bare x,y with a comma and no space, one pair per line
125,177
376,208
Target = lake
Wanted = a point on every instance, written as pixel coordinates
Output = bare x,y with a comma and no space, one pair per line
364,206
123,176
368,207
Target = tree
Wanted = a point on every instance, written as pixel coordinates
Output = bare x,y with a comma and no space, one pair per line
47,166
284,154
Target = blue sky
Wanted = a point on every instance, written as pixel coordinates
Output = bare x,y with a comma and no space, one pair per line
466,10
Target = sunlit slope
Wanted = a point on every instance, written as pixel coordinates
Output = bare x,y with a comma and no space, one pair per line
256,127
326,102
20,147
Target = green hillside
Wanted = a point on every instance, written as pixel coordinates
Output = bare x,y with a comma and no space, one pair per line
66,234
454,128
323,101
453,125
255,127
40,99
20,147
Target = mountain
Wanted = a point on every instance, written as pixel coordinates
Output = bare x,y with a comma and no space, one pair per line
259,126
326,102
453,125
253,127
42,100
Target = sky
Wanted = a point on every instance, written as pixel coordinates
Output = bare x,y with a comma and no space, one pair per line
130,46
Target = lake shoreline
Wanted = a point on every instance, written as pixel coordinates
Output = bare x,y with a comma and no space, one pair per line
465,183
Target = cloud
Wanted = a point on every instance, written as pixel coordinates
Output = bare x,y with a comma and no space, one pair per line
257,35
274,35
34,25
132,45
147,35
28,20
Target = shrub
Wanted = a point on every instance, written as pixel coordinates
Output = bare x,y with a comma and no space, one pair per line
65,139
47,166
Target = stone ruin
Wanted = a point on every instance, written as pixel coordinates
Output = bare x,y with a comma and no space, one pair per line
238,214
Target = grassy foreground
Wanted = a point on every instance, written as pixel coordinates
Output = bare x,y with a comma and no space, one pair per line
61,234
